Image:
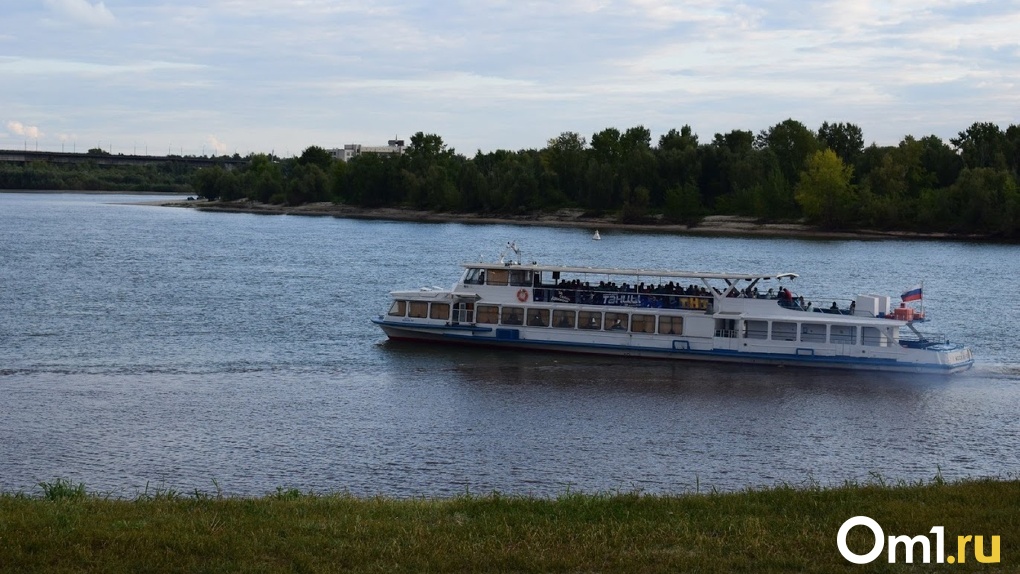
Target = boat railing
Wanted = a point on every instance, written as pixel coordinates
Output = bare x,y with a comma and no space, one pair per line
809,307
923,340
623,298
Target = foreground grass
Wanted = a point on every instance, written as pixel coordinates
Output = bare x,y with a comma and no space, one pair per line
780,529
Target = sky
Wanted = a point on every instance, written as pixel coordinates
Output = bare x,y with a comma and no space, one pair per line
277,76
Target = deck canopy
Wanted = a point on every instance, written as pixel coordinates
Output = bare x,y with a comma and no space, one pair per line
634,272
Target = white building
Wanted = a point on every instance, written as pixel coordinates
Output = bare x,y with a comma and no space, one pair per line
392,147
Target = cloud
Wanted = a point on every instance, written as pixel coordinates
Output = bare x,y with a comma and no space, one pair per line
40,66
219,147
18,128
83,12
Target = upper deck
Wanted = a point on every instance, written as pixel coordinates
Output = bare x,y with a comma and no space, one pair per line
628,272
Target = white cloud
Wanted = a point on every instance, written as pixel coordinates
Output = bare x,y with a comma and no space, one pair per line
219,147
83,12
42,66
20,129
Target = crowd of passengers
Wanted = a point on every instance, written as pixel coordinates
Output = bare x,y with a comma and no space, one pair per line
789,300
608,293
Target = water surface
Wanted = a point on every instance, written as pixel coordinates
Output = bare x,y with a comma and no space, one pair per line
142,345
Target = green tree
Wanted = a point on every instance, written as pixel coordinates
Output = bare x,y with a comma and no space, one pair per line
792,143
210,183
982,200
983,144
565,158
847,140
315,155
606,146
824,191
683,204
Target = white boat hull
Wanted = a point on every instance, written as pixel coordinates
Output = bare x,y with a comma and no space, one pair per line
948,360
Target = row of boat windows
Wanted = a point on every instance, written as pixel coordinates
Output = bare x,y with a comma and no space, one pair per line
534,317
808,333
638,323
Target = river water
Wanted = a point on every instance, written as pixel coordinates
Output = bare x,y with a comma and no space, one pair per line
152,347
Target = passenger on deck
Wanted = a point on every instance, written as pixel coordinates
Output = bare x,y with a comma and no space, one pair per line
853,307
834,307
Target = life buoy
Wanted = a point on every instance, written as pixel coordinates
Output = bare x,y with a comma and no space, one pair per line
522,295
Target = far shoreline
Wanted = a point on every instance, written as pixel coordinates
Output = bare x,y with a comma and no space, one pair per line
710,226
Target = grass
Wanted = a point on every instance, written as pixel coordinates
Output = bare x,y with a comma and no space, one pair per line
771,530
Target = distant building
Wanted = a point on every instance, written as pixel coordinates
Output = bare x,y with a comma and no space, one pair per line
392,147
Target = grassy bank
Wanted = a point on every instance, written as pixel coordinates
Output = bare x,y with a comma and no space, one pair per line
67,529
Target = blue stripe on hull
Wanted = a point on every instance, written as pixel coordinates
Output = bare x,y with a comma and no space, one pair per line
439,333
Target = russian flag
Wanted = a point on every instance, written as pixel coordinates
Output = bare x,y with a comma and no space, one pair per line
912,294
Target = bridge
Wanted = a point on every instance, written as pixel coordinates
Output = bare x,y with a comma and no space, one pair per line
20,156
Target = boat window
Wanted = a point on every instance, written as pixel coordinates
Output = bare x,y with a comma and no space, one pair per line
440,311
475,277
589,320
782,331
812,333
642,323
512,316
519,277
398,309
873,337
616,321
671,325
843,334
563,319
487,314
538,317
497,277
418,309
756,330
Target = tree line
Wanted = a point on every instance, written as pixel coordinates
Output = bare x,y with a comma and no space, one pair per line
787,172
168,177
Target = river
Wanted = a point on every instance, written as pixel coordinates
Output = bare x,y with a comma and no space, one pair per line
146,347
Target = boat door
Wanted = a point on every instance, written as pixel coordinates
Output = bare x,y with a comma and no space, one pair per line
845,340
463,312
726,334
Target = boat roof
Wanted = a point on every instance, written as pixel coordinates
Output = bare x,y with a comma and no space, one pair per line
633,272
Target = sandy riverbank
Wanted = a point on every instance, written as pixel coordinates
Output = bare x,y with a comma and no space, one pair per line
716,225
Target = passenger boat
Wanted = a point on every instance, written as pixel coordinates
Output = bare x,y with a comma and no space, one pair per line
726,317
